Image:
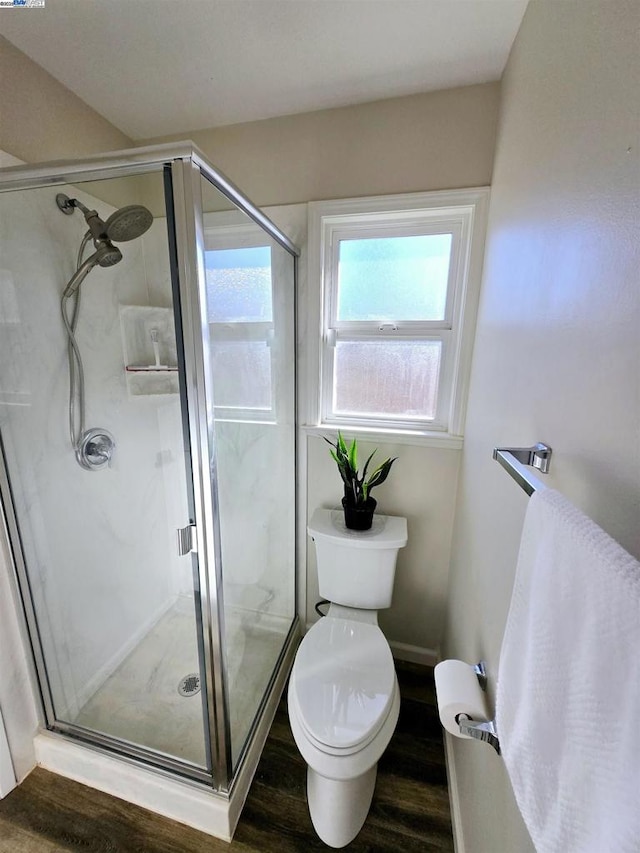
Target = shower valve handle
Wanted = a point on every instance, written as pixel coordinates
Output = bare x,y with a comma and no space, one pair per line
95,449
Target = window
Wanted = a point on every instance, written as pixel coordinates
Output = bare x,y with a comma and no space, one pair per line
238,272
394,285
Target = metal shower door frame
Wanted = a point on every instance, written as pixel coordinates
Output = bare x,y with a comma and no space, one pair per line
186,179
183,168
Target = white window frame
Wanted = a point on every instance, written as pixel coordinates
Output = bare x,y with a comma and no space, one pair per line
463,214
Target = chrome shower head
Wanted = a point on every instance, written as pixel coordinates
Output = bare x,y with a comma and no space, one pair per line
128,223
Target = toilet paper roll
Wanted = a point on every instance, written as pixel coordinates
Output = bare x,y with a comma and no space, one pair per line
458,691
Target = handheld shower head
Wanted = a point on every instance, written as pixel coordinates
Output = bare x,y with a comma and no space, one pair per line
106,255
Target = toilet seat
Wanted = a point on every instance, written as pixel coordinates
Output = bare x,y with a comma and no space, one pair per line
342,685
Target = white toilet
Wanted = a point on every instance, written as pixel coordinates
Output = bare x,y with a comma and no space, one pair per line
343,692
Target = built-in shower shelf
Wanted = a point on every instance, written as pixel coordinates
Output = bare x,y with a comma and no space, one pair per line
135,368
149,346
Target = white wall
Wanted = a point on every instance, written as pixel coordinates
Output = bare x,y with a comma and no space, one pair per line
97,544
557,354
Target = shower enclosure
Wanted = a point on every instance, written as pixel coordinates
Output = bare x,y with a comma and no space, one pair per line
147,466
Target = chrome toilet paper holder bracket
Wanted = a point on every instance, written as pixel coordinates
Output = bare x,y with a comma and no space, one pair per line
485,731
480,670
480,731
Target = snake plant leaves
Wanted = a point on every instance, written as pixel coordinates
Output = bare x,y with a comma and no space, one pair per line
381,473
357,488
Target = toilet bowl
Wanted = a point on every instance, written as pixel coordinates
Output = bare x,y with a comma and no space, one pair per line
343,694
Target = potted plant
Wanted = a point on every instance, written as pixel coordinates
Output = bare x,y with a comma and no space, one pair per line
357,502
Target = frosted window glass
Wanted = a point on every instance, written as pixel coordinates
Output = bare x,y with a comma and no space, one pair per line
241,374
239,285
390,379
395,278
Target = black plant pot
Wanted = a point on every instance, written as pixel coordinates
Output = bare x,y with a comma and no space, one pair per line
359,516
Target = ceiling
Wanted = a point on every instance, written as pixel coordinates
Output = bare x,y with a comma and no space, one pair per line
159,67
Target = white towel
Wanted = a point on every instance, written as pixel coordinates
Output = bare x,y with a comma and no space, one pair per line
568,697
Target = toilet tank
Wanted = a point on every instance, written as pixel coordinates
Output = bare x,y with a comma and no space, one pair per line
357,568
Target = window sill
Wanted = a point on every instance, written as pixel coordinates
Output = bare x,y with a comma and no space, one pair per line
426,438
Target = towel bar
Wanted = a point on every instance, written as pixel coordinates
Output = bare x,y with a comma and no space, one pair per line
514,460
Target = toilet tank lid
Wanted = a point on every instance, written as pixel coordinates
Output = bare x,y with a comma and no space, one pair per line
387,531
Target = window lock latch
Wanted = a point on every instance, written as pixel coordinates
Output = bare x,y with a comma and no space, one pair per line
388,327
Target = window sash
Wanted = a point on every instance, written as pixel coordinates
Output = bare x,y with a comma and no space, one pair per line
336,236
398,421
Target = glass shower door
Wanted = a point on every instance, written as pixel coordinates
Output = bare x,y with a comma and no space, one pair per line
247,314
114,607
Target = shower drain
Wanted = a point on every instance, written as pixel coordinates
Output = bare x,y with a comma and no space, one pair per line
189,684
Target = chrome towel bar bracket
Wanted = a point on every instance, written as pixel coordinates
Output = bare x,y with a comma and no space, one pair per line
515,459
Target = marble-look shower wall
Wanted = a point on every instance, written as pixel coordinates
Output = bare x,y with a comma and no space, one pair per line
254,460
99,546
257,510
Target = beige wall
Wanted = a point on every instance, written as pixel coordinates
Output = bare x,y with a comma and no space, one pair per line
439,140
557,355
425,142
422,488
40,119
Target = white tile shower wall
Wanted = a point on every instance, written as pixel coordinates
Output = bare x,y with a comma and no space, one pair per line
255,466
97,544
259,568
17,696
171,453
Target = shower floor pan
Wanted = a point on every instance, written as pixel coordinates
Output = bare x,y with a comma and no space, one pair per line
140,702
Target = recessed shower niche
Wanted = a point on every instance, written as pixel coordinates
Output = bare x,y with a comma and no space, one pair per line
171,560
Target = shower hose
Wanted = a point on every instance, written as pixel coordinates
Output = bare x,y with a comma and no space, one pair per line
76,370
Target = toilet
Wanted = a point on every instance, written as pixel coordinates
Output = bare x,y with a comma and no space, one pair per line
343,693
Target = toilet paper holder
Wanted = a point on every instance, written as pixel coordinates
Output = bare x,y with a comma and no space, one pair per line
485,731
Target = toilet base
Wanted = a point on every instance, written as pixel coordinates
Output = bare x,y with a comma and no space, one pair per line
339,808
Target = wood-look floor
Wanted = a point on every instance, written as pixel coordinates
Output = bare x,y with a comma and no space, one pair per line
410,811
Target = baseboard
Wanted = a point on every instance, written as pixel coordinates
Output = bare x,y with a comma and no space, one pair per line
454,798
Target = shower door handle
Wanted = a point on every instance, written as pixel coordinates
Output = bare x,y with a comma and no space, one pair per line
187,540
